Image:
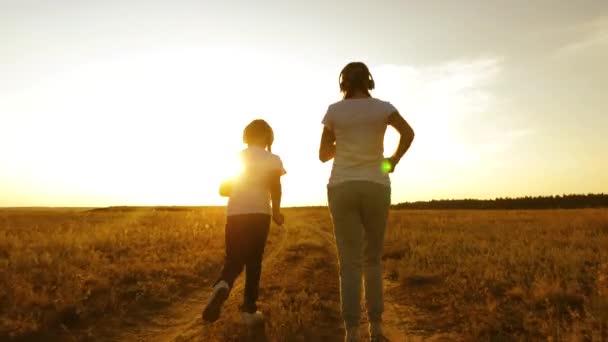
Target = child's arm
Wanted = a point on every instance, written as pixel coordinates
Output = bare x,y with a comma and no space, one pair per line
226,188
275,196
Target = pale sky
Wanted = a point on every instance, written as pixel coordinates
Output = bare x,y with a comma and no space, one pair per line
144,102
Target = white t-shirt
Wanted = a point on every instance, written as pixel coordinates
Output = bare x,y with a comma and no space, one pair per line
359,126
250,191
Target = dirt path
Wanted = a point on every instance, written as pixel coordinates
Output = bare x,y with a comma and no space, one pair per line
182,320
400,320
299,296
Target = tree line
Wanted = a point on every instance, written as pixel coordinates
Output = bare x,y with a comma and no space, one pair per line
528,202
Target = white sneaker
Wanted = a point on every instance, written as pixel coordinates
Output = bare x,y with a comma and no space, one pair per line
218,297
352,334
252,319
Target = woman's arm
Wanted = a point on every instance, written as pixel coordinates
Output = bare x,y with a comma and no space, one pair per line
327,149
405,140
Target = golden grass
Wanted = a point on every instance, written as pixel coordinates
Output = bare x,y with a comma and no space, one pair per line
488,275
65,267
495,275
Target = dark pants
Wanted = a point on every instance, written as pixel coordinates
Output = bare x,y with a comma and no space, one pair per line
245,240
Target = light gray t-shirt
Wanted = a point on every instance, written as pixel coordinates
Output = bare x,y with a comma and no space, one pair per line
359,126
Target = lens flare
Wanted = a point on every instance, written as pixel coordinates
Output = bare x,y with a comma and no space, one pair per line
386,166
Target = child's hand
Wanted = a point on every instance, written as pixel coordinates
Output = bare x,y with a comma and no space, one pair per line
278,218
226,188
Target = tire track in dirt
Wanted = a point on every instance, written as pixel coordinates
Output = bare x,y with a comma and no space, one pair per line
399,319
298,293
197,330
182,320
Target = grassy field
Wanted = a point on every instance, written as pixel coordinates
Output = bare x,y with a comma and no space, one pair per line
478,275
502,275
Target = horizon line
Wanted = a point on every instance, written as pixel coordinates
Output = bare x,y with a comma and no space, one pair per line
294,206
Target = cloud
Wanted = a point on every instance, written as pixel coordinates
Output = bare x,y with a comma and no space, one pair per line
501,141
447,104
591,36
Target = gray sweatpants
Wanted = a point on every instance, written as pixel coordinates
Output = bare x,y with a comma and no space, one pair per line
359,210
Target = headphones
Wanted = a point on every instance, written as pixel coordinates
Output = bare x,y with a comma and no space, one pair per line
352,72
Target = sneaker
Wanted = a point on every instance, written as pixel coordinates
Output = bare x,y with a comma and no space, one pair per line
218,297
377,338
252,319
375,332
352,334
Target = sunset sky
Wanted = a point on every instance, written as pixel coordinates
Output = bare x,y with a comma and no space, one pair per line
144,102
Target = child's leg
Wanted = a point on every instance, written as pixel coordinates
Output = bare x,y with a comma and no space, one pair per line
233,266
236,248
258,233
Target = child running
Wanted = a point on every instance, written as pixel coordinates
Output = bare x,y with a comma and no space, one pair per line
248,220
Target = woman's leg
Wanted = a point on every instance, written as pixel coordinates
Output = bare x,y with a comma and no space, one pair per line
375,207
258,233
344,208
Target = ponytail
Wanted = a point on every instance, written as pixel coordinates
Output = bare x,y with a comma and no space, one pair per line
259,130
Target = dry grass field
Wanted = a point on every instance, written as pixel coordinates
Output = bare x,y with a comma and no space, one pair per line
144,274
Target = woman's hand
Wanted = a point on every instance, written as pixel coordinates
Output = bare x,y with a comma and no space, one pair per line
389,164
